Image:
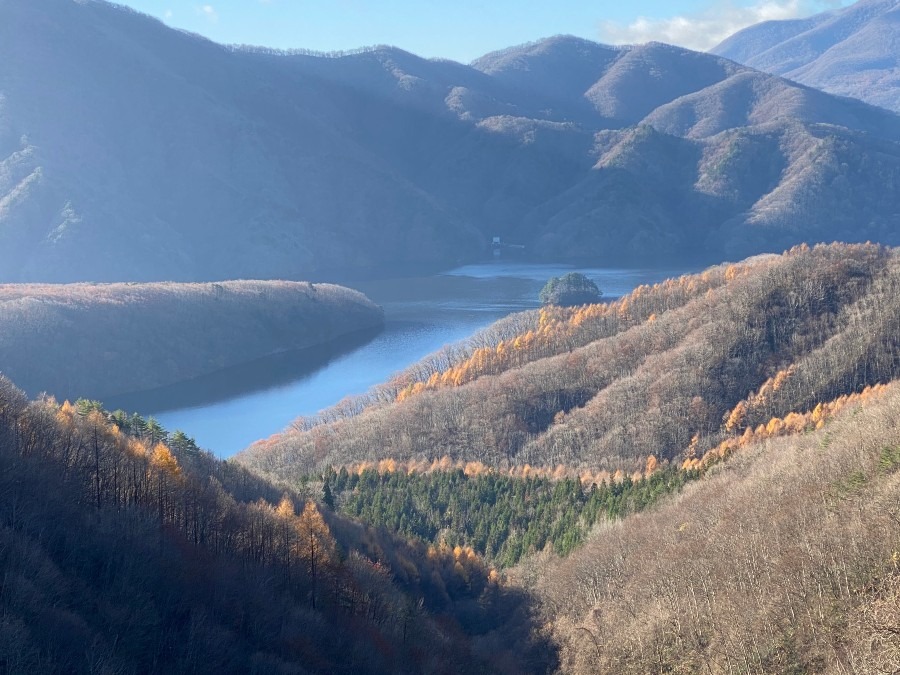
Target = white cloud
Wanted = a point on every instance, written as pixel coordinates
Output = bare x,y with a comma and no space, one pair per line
168,14
209,12
705,29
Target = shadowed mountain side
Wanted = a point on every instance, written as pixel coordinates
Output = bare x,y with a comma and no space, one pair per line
605,386
177,158
851,51
742,191
131,337
127,549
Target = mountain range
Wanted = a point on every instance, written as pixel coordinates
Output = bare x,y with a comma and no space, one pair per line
131,151
854,51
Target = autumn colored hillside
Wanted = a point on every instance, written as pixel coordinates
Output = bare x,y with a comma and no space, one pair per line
783,559
700,477
127,549
131,337
670,372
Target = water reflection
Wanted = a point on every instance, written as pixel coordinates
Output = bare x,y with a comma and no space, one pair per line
227,411
271,372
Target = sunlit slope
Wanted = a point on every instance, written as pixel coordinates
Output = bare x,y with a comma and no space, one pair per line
99,340
784,559
604,387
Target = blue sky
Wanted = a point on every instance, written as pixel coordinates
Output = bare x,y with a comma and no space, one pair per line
465,29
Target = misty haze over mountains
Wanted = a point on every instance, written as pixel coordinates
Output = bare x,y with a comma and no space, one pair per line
853,51
130,151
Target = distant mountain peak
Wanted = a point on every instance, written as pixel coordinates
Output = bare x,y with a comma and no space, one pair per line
853,51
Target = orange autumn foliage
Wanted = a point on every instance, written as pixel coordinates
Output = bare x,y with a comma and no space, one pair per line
562,326
792,423
473,469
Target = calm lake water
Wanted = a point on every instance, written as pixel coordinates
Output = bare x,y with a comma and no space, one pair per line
228,411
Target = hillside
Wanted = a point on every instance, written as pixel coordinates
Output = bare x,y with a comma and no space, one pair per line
181,159
130,337
599,389
853,51
782,560
126,549
702,475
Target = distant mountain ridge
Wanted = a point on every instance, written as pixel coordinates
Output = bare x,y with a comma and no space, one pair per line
130,151
853,51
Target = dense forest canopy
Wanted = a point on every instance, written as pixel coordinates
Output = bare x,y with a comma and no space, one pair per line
705,475
570,290
702,476
126,548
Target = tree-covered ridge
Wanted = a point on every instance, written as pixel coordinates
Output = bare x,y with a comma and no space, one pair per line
128,547
523,471
738,433
150,335
605,386
528,336
558,329
570,290
505,515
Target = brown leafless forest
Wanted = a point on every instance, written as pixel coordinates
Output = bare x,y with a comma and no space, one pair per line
771,382
121,554
773,377
603,387
785,559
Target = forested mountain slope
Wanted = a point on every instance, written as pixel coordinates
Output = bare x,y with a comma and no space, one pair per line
854,51
701,476
100,340
603,387
125,549
130,151
784,559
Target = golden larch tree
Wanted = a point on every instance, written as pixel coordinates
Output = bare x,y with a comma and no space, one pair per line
316,546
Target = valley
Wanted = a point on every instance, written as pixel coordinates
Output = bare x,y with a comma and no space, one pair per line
296,378
423,509
422,315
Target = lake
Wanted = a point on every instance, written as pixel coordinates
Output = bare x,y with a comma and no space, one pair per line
225,412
